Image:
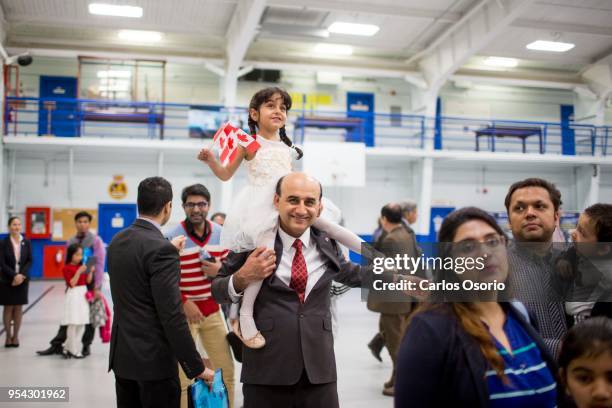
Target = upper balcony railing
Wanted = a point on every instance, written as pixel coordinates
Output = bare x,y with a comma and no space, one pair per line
101,118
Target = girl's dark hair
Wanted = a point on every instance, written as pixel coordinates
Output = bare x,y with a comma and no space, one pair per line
11,219
589,338
259,99
601,216
72,249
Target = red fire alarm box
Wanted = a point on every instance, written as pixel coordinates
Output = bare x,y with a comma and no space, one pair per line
38,222
53,261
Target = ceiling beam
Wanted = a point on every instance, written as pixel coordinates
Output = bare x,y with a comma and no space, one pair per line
599,76
513,81
72,53
563,27
476,29
242,30
345,70
240,33
372,8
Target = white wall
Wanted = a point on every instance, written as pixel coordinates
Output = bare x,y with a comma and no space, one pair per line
605,185
486,186
502,102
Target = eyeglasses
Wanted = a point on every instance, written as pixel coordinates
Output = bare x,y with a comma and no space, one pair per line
190,206
472,246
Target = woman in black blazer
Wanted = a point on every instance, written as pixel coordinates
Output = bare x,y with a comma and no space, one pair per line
14,279
467,348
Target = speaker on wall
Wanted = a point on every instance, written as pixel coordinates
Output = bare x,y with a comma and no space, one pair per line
262,75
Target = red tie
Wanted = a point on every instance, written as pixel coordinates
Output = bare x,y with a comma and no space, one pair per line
299,273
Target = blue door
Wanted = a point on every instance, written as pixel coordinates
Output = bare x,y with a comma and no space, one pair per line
568,140
112,218
57,116
361,105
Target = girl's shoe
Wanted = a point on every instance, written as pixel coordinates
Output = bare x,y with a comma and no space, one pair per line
68,355
256,342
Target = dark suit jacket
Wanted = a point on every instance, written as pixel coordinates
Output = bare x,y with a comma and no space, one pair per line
298,336
440,365
150,331
396,242
7,259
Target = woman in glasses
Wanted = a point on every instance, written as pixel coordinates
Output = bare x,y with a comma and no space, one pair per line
466,347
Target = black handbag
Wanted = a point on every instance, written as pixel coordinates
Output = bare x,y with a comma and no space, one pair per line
236,345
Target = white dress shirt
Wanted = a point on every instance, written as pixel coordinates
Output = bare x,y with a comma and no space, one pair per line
315,263
151,221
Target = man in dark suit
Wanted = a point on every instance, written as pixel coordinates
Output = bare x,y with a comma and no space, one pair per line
409,216
393,314
297,366
150,331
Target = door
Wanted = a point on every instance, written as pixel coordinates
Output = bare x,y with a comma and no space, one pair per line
361,105
112,218
57,114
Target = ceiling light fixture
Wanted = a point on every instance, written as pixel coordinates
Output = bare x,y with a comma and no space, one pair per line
501,62
552,46
115,10
335,49
353,29
140,36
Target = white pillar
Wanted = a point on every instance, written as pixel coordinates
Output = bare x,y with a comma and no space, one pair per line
12,187
160,164
229,87
425,194
592,174
427,106
71,176
587,185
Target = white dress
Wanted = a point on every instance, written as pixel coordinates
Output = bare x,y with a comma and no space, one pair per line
76,308
253,211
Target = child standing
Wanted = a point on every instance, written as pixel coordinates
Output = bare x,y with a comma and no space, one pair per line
253,221
76,308
586,363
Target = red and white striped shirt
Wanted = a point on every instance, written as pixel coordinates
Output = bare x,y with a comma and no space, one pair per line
194,284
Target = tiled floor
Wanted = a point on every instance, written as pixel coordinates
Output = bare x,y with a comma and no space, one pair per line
360,376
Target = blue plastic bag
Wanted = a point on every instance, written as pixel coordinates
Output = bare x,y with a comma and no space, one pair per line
200,396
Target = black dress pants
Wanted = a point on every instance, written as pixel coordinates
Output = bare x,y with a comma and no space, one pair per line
164,393
87,338
304,394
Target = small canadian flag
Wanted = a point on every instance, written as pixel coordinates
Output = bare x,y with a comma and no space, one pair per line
228,137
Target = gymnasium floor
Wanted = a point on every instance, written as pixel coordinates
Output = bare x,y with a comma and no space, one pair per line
360,376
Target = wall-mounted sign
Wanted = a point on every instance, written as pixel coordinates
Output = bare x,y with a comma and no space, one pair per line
118,188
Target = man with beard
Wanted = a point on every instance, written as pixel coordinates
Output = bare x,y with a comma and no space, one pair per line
533,210
200,262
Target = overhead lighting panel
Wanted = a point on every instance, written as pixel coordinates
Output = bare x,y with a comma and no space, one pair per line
367,30
551,46
115,10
